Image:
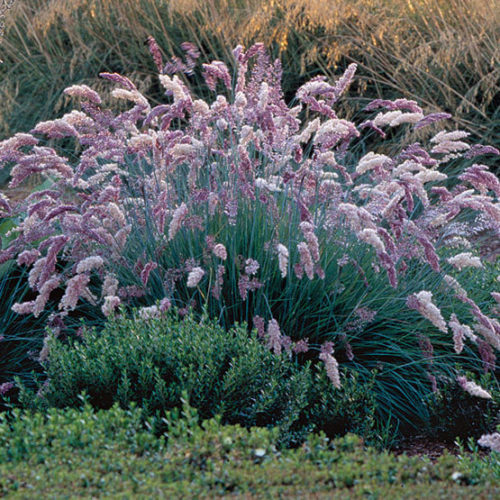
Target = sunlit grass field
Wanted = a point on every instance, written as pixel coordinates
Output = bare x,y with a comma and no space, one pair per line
443,53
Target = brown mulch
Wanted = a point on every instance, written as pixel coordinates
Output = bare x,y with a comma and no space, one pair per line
425,446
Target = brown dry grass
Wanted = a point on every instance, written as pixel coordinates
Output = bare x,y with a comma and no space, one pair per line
443,53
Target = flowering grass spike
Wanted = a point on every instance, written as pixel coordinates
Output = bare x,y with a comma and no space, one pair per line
211,204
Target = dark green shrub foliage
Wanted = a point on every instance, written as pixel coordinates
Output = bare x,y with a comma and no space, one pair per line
455,413
354,411
152,362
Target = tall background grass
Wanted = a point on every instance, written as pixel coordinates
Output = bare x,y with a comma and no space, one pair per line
443,53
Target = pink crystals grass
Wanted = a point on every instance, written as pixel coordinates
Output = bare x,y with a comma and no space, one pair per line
154,189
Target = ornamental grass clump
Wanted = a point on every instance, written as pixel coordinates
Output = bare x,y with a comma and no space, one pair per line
254,211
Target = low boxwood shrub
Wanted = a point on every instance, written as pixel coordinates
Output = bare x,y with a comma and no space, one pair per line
153,361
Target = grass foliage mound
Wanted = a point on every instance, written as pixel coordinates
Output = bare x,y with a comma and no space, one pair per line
313,229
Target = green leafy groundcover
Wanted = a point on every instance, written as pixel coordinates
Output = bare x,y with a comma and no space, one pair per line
81,453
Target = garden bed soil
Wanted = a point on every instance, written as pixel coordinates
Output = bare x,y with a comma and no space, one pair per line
430,447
